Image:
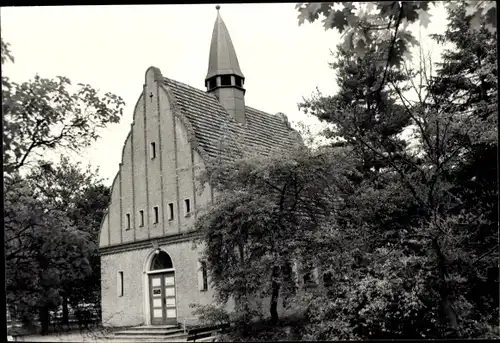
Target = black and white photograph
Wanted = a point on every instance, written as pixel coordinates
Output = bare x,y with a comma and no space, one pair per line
251,172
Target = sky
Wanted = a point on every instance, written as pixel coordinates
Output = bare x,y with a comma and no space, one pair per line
110,47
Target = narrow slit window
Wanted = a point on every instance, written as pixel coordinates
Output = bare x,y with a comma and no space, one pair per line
171,211
288,272
153,150
204,275
310,277
187,206
307,278
141,213
155,209
128,221
328,279
119,284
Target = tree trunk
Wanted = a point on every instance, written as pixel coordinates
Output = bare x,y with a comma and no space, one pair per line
244,297
65,311
242,308
446,304
274,296
44,319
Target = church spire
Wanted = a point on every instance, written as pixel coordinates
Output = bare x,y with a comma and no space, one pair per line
222,58
224,77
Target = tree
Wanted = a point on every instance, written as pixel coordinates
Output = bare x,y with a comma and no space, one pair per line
467,84
51,242
45,115
5,53
83,198
52,212
370,23
376,206
384,24
87,214
42,250
411,232
265,210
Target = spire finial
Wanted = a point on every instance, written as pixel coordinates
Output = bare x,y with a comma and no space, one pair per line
217,7
222,57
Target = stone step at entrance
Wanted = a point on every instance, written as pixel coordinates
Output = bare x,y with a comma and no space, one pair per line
154,327
151,333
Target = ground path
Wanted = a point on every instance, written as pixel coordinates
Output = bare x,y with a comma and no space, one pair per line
82,337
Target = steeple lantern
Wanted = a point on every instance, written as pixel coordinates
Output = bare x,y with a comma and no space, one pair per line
224,77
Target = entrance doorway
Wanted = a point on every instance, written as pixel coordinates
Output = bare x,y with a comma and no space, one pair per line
162,290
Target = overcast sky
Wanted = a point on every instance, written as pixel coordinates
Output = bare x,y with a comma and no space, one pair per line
110,48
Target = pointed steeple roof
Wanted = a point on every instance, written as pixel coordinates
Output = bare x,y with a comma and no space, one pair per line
222,60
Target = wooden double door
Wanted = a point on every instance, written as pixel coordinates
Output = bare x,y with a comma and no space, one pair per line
162,298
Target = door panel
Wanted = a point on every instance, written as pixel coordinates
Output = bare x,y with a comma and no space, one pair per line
169,280
162,299
156,303
169,288
171,313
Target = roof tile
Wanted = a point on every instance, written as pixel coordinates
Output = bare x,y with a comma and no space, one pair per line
220,136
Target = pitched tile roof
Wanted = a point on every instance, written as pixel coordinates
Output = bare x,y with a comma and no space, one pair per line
220,136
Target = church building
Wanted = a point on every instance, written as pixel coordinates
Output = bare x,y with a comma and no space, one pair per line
150,270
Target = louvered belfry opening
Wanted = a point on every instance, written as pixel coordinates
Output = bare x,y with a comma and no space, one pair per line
225,81
224,77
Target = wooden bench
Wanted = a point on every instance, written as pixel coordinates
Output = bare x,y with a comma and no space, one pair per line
198,333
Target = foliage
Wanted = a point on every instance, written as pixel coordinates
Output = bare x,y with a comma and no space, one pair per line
259,330
402,207
89,209
266,331
6,54
253,227
211,314
393,292
42,115
414,204
83,198
383,25
52,211
51,250
42,250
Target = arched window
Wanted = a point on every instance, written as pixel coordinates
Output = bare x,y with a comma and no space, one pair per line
161,261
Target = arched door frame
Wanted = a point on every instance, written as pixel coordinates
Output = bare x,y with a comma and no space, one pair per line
145,284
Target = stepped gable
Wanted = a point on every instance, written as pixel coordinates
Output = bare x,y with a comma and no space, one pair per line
221,136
